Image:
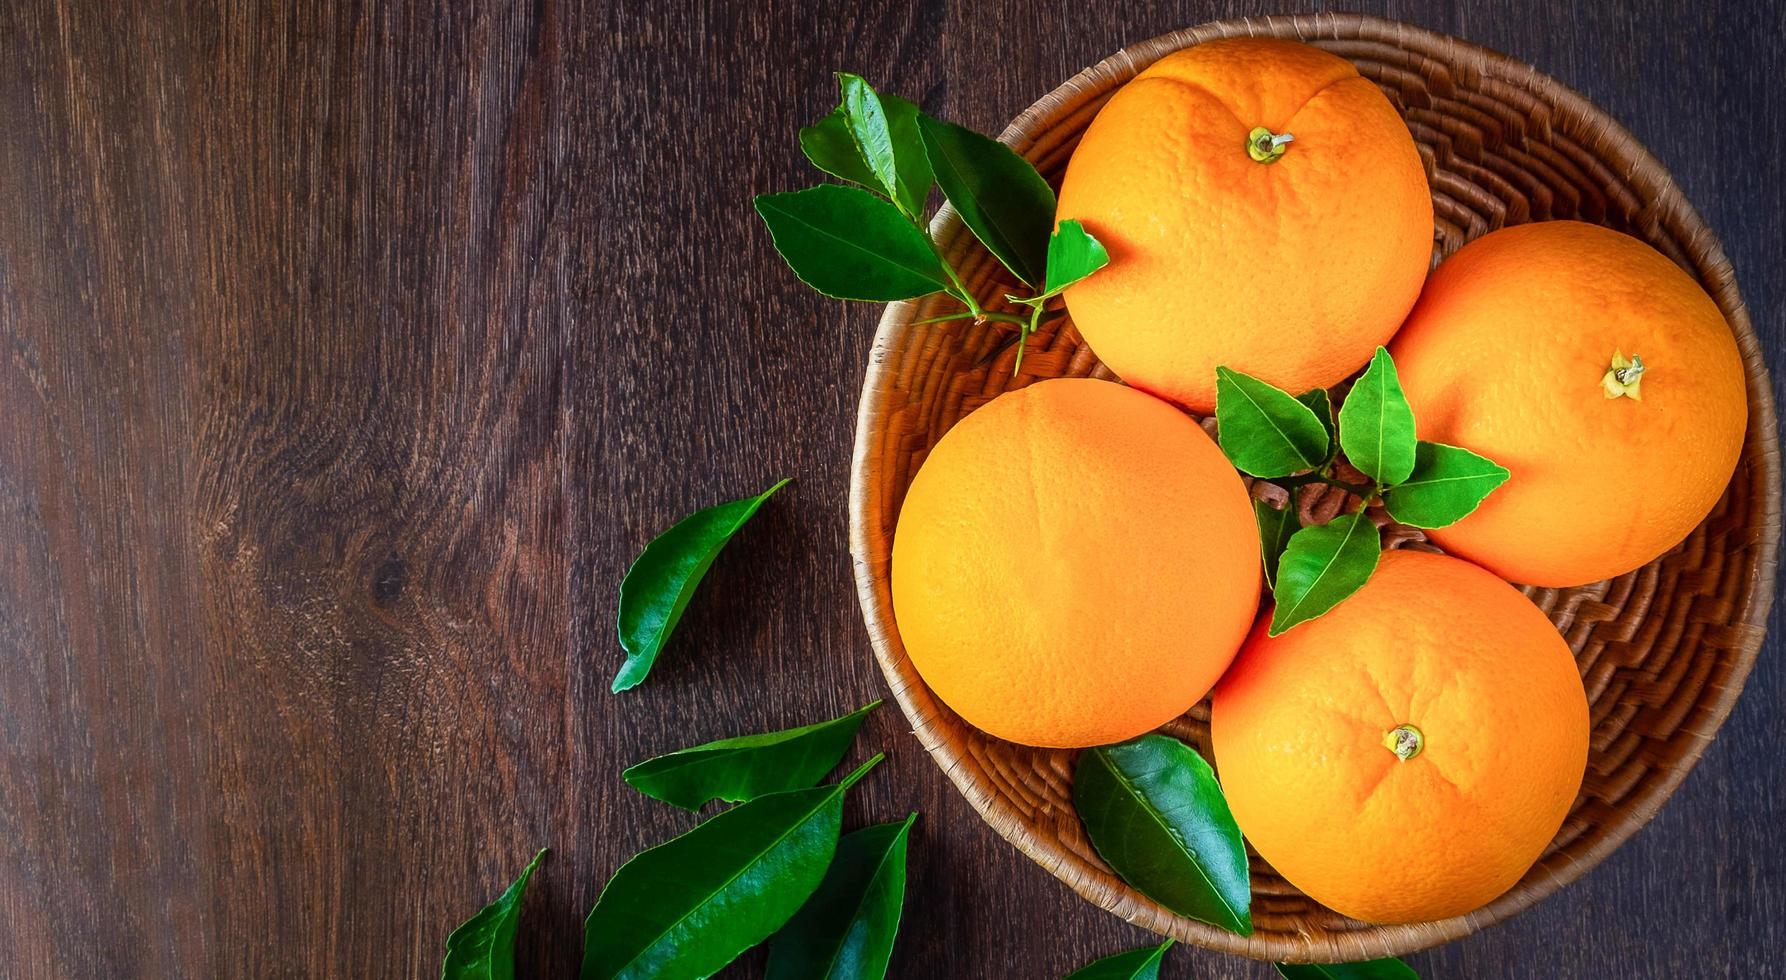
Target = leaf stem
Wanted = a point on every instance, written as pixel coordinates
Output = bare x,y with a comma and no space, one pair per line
961,291
986,316
1026,327
1005,318
945,318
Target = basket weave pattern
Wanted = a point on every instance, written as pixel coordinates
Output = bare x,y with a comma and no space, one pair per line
1663,651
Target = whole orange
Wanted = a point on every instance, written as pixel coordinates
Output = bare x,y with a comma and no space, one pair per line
1293,267
1507,354
1075,564
1433,659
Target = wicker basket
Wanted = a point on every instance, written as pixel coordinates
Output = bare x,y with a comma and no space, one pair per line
1663,651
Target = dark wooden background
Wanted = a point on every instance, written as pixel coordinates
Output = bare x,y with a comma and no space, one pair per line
349,352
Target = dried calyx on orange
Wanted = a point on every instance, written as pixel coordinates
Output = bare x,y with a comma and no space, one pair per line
868,239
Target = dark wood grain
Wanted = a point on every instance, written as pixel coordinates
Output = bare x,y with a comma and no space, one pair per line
350,352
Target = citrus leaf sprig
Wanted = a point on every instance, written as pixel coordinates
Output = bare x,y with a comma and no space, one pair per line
869,241
1293,441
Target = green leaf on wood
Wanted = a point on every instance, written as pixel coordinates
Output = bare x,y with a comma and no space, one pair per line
846,930
1385,969
1266,432
1073,254
663,578
1321,404
1155,814
687,907
1276,525
849,244
999,195
885,131
1447,485
1376,424
1322,565
868,125
1136,964
483,947
830,146
748,766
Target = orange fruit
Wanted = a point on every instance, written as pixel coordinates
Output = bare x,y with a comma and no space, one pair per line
1461,673
1075,564
1293,270
1506,354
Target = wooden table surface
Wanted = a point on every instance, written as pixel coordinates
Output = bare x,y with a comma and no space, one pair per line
350,351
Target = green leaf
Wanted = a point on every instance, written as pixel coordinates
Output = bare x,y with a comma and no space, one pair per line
1275,527
999,195
690,905
1072,255
1266,432
1323,565
1447,485
849,244
1153,810
748,766
483,947
1321,404
867,121
1386,969
663,578
885,131
831,148
1376,425
846,930
886,138
1136,964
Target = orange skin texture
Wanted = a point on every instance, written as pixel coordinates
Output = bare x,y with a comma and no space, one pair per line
1503,355
1435,642
1292,271
1076,564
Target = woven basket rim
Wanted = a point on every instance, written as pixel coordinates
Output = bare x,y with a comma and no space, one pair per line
1612,142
